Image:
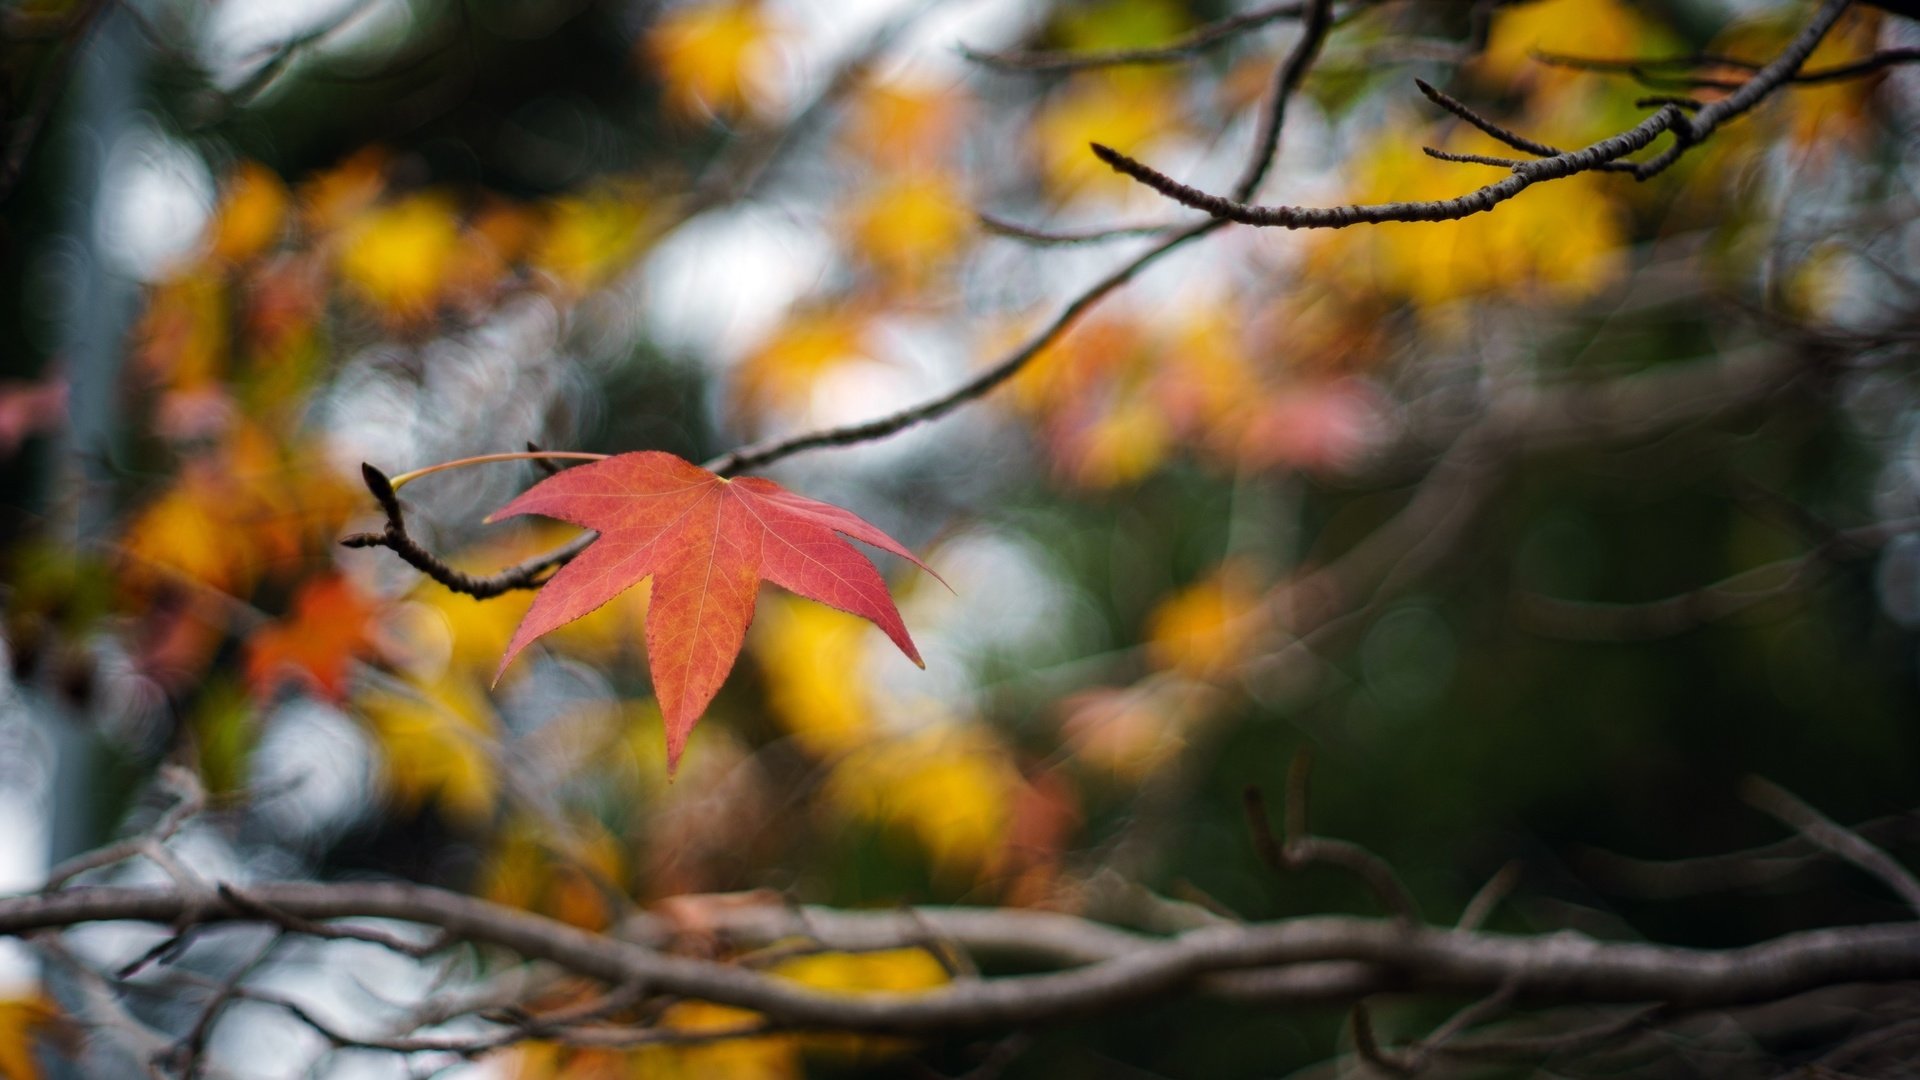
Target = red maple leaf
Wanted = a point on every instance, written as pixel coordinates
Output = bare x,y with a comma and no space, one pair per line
707,542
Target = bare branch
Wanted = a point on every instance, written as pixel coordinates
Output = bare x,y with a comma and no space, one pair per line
189,1053
1033,235
1687,132
1667,879
1579,620
765,453
292,923
1326,959
190,799
530,574
1641,70
1484,902
1497,132
1307,850
1840,842
1479,201
1286,80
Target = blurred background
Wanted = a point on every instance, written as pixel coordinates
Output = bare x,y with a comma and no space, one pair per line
1539,530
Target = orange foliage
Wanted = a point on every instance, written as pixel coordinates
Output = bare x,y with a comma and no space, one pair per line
328,629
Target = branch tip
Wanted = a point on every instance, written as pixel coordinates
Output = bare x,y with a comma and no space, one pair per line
377,483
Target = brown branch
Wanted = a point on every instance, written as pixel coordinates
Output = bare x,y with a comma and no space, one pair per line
1669,879
765,453
1291,72
189,799
292,923
1326,959
1498,132
1583,1040
1479,201
1307,850
1286,80
1485,901
190,1051
1033,235
1641,70
1687,132
1843,843
1581,620
530,574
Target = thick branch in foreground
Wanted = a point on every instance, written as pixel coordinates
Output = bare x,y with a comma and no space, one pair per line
1326,960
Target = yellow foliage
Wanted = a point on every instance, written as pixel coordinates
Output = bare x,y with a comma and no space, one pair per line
951,788
813,659
437,741
1125,112
1207,380
1091,392
782,372
1121,446
713,58
190,531
1073,366
336,197
1604,28
947,784
398,256
253,210
908,227
1120,24
590,237
1563,238
563,876
23,1021
767,1057
892,971
1815,118
1207,628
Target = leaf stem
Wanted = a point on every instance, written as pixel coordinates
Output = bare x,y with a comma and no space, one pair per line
482,459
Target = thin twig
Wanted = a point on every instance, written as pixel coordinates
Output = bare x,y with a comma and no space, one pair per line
1687,132
530,574
1489,896
1286,80
189,799
1582,620
191,1050
1641,69
765,453
1308,850
1035,235
1832,838
1498,132
296,924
